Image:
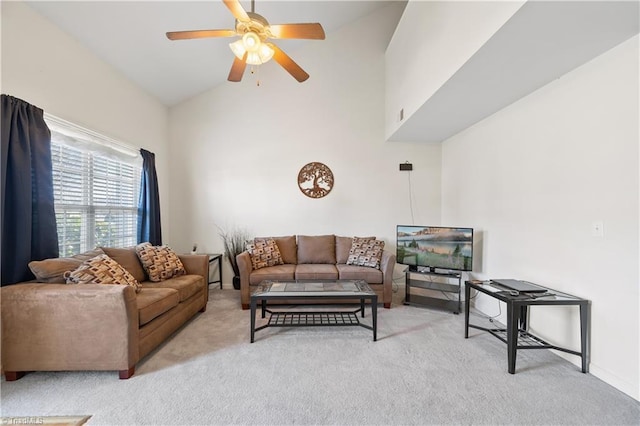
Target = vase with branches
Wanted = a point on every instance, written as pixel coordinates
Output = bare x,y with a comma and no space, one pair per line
234,242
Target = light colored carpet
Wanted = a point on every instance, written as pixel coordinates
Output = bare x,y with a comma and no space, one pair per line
420,371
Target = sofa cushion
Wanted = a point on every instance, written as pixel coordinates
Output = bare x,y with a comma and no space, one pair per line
264,252
279,272
160,262
343,246
316,271
288,248
52,270
365,252
153,302
186,285
101,270
128,258
317,249
352,272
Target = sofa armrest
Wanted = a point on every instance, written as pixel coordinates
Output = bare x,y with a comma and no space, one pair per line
244,266
196,264
387,265
57,327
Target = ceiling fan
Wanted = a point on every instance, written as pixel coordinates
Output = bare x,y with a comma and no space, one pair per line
252,47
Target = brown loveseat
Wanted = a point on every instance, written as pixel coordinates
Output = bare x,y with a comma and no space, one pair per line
315,258
50,326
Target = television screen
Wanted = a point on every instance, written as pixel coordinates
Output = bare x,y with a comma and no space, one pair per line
435,247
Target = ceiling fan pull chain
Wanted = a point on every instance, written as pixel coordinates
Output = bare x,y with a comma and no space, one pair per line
255,70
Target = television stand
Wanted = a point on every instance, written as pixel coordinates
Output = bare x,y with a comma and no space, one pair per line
448,283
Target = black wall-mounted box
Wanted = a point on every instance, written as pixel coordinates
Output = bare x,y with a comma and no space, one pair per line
406,167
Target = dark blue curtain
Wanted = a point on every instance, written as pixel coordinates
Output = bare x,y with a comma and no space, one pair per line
28,217
149,204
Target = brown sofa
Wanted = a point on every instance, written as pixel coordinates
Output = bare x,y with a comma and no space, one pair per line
49,326
315,258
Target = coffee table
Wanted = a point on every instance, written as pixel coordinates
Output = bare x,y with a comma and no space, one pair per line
320,292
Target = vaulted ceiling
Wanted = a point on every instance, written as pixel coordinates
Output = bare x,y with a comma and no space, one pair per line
130,36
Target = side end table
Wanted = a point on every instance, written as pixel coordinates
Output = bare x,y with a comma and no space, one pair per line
516,334
212,258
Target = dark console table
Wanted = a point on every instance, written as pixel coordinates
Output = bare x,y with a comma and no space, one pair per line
517,335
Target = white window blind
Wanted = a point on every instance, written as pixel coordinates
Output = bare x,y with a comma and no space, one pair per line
96,182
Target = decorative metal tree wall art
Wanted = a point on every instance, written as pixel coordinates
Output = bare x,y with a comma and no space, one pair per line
315,180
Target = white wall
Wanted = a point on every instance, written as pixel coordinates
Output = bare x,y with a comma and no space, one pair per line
237,149
47,68
533,178
431,42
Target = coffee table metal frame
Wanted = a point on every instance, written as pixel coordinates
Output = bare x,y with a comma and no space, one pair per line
314,318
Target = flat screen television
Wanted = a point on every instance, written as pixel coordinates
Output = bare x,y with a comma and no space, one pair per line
434,247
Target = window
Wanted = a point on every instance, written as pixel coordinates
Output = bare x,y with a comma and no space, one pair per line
96,182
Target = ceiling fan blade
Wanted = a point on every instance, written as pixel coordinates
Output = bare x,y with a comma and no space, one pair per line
237,69
288,64
237,10
307,31
185,35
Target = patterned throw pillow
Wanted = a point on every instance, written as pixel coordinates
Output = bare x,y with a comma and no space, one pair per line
101,270
160,262
365,252
264,252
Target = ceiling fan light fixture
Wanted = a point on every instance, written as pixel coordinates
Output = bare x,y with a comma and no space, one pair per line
265,52
251,41
238,49
253,58
262,54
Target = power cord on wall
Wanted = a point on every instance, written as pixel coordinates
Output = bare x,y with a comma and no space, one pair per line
410,197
